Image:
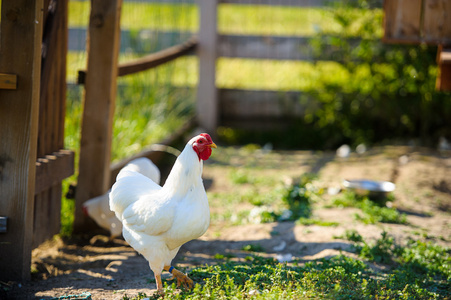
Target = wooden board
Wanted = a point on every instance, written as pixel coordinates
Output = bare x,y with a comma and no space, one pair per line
207,97
99,104
52,169
443,82
402,21
150,61
53,165
8,81
437,21
20,46
260,109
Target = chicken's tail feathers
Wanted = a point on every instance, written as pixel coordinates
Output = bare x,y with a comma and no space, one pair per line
129,187
146,167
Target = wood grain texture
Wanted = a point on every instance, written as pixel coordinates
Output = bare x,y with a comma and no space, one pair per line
99,104
402,21
8,81
437,21
20,46
52,111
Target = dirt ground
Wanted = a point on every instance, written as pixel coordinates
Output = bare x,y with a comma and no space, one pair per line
110,270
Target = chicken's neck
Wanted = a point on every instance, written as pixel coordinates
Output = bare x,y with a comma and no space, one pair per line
185,174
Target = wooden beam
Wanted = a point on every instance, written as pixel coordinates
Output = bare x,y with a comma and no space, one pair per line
402,21
8,81
150,61
443,82
52,169
207,98
437,21
99,104
20,53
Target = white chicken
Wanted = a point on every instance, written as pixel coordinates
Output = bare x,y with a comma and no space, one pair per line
157,220
98,208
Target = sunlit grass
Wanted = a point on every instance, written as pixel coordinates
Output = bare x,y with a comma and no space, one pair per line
137,15
232,18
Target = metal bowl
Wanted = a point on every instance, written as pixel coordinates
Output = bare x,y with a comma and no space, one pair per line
370,188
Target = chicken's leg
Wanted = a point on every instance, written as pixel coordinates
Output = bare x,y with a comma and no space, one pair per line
159,284
181,277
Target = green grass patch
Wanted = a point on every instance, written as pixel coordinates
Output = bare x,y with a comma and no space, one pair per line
373,212
340,277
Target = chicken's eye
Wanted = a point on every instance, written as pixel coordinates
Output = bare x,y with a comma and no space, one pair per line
200,141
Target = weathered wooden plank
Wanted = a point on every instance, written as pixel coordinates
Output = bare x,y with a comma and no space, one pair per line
8,81
150,61
236,103
51,124
261,109
52,169
47,218
155,59
265,47
402,21
207,98
99,104
443,82
20,53
437,21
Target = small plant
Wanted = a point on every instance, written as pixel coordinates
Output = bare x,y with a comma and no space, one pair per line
381,251
253,248
373,212
351,235
298,197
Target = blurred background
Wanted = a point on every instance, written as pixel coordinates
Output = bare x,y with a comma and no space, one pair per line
298,74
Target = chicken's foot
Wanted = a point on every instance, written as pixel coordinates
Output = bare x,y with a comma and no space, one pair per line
182,279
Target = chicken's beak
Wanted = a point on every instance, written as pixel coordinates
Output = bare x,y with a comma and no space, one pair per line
212,145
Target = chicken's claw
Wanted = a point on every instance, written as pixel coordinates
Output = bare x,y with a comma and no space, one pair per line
182,279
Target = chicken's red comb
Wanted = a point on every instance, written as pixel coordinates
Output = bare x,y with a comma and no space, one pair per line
207,136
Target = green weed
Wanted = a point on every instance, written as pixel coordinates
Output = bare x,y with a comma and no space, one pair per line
253,248
373,212
340,277
299,197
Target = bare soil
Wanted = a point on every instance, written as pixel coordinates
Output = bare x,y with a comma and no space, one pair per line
110,270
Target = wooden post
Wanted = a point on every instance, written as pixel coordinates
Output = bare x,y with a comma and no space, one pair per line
443,82
20,54
99,104
207,96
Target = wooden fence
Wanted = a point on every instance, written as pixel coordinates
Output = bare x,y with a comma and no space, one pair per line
33,45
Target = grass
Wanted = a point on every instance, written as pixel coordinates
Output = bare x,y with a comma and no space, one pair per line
373,211
232,19
416,271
